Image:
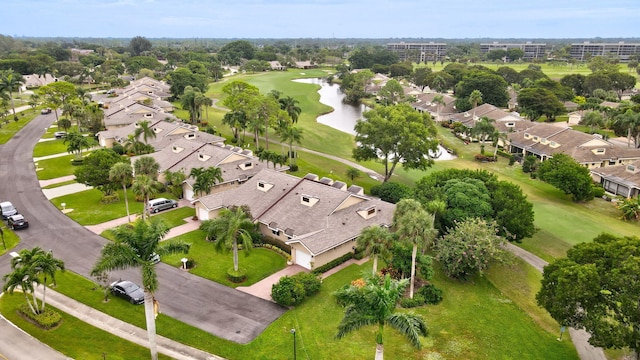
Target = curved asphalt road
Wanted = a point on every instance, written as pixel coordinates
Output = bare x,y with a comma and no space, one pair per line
217,309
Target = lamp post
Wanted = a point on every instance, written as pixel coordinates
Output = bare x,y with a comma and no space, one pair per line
293,331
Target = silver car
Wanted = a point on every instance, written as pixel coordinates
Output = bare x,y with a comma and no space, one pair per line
160,204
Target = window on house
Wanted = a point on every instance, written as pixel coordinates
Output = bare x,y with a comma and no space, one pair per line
631,168
600,151
371,211
306,199
275,232
511,124
260,184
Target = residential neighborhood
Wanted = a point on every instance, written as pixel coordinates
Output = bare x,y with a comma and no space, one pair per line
232,198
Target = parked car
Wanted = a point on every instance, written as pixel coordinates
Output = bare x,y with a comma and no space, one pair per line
160,204
60,134
128,291
7,209
17,221
45,111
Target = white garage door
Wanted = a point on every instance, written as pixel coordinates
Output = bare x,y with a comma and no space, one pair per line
303,259
203,214
188,194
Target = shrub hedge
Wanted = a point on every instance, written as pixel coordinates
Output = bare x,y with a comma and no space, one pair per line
47,319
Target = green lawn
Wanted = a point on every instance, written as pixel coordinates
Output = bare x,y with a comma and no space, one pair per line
171,218
88,210
213,265
9,240
75,338
55,167
52,147
475,321
9,127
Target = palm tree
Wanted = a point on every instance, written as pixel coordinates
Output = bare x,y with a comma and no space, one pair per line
144,186
76,142
146,165
135,246
374,303
377,241
475,98
290,105
353,173
631,121
10,82
33,267
205,178
483,129
413,226
122,173
145,131
439,101
291,134
497,137
236,120
232,225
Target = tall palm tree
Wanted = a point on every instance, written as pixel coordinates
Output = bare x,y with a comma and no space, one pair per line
145,186
374,303
291,134
631,121
146,165
376,241
135,246
439,101
413,226
231,226
10,82
475,98
122,173
290,105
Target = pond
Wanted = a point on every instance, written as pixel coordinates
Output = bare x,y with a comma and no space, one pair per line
344,116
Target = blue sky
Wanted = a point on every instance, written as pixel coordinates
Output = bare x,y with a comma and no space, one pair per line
322,18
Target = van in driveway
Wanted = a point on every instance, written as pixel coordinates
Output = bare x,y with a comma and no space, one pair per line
160,204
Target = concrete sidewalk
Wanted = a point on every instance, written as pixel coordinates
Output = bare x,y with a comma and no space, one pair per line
65,190
124,330
62,179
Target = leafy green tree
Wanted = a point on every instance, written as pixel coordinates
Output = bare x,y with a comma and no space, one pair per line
420,77
596,287
563,172
514,54
95,170
400,70
374,303
65,124
535,102
413,226
391,191
483,130
10,82
376,241
33,267
57,94
592,119
237,120
491,85
391,93
575,82
498,54
469,248
135,246
392,133
139,45
122,173
512,212
465,198
475,98
232,226
181,77
353,85
630,122
76,142
233,52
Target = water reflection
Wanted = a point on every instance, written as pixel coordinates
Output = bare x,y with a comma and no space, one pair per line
344,116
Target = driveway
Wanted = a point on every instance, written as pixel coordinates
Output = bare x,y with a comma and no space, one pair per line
219,310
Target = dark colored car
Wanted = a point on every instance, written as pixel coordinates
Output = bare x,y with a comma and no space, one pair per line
17,222
129,291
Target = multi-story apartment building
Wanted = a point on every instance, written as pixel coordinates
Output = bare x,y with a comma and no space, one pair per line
531,50
620,50
419,52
